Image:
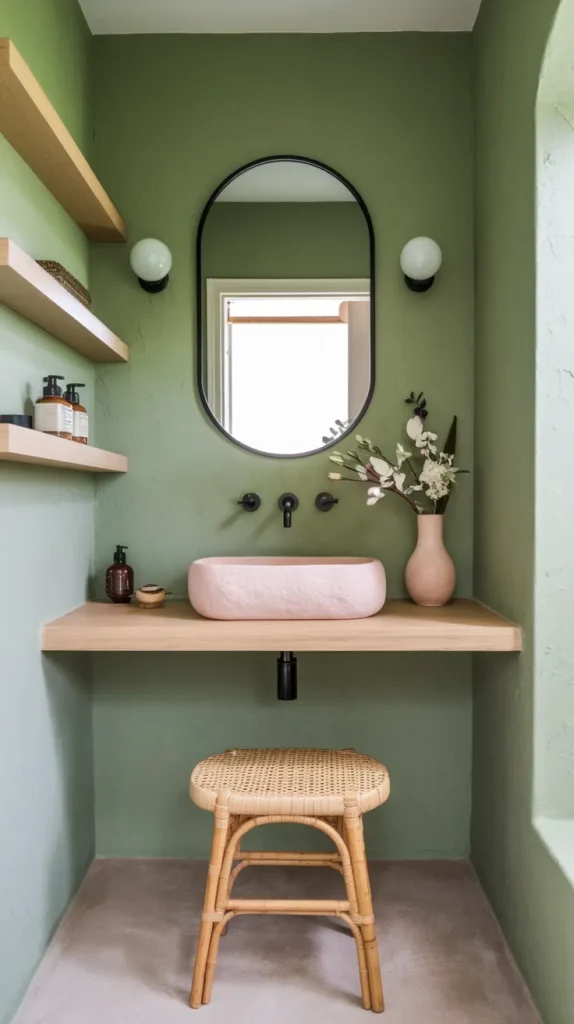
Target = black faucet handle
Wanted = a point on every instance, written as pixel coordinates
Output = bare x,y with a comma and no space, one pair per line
325,501
287,504
250,501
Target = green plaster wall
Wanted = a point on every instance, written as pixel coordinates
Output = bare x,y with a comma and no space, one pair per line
46,541
533,898
174,115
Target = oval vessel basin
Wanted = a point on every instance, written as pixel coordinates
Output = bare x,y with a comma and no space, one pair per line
287,588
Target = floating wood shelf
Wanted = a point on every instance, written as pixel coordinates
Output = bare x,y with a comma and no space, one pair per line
32,292
19,444
401,626
38,134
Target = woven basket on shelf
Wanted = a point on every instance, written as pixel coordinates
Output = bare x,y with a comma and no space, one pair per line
66,279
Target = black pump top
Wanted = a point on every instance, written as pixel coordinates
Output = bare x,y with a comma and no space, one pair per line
71,394
52,389
119,554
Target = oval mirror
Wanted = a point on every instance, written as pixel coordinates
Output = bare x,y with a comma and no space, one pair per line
285,266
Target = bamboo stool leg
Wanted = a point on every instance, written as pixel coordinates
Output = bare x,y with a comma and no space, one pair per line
221,825
351,888
363,970
234,823
356,845
218,932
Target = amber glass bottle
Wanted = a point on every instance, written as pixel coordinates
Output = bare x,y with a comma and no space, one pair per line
120,578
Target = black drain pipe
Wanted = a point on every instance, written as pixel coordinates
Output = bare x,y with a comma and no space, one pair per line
286,676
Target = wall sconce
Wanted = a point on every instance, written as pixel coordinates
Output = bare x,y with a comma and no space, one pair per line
421,259
151,261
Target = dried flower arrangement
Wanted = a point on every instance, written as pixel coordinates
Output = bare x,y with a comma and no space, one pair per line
423,478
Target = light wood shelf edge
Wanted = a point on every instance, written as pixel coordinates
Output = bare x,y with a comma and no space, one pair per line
31,291
401,626
36,131
19,444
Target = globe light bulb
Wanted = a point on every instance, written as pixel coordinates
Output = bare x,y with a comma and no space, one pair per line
151,261
421,259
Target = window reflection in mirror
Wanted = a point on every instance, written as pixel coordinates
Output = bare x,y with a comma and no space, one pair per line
285,277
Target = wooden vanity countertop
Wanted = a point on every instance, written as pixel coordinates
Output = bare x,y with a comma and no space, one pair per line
462,625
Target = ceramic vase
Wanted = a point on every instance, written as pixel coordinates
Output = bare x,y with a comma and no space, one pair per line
430,576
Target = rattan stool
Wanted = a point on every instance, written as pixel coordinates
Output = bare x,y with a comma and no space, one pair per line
326,789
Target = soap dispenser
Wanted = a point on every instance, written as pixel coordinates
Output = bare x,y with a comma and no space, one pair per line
53,413
80,416
120,578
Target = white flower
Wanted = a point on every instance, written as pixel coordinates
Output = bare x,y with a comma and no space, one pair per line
422,438
361,471
414,487
335,476
388,475
424,442
438,477
374,495
338,459
382,468
365,443
402,455
414,427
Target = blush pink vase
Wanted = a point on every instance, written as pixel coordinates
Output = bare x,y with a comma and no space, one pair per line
430,576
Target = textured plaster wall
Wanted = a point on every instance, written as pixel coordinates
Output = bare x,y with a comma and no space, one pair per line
554,567
531,895
46,541
174,115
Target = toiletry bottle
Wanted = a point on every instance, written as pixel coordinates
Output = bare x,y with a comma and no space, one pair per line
53,414
120,578
80,426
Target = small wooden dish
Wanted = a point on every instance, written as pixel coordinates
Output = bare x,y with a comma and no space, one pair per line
151,596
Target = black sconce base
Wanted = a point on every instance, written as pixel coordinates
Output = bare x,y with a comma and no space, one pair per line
419,286
154,286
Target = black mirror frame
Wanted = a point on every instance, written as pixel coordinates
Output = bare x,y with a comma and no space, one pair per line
199,300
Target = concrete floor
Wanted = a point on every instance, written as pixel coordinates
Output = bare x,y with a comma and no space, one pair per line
124,951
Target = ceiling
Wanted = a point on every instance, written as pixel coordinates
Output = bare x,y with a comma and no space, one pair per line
285,182
135,16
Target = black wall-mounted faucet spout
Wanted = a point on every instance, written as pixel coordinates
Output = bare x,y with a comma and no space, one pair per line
288,503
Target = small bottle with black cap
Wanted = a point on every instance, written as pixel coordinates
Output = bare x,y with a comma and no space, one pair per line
120,578
80,421
53,414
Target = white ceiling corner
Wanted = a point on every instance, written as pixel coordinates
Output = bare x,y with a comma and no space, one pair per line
231,16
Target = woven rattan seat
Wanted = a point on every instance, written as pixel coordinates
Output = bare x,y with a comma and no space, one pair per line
289,781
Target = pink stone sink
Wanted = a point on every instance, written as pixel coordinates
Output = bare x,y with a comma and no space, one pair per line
287,588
